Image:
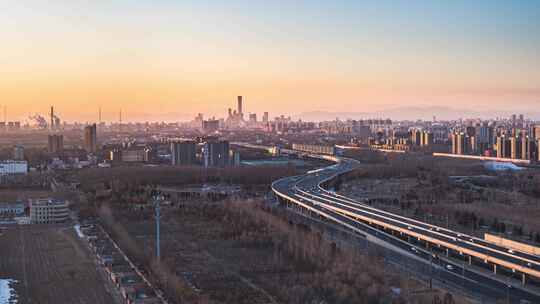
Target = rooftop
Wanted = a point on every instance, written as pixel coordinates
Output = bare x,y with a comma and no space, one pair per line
47,202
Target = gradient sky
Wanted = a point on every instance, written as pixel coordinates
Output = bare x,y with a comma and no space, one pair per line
166,59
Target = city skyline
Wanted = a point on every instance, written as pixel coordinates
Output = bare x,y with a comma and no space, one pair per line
168,61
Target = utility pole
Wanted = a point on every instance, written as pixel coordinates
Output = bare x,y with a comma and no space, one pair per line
157,206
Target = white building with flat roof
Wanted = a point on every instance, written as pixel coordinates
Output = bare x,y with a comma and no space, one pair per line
48,211
9,167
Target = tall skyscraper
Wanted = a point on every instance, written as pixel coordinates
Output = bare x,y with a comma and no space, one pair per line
55,143
90,138
239,110
52,119
265,117
183,153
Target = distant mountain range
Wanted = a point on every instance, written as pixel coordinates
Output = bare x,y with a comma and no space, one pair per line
412,113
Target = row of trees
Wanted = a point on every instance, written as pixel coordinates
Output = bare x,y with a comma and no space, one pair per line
470,204
323,273
130,177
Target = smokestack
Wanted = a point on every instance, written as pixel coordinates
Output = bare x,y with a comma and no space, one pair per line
239,105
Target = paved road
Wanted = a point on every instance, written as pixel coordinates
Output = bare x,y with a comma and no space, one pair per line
306,191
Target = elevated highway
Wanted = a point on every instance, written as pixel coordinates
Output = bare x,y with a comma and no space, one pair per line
309,193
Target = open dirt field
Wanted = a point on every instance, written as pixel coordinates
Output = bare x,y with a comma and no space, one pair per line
51,266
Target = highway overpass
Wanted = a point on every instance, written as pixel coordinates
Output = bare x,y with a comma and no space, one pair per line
308,193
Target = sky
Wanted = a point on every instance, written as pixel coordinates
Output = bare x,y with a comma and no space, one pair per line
170,59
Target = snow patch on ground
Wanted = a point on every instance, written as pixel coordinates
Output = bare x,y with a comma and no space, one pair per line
7,293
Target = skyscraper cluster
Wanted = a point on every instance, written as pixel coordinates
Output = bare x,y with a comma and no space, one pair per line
513,140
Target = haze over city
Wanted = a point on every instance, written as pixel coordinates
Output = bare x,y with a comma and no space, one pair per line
265,152
168,60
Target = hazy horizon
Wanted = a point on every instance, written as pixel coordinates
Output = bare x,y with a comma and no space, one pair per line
164,59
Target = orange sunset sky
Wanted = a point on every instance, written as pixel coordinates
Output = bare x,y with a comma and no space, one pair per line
168,60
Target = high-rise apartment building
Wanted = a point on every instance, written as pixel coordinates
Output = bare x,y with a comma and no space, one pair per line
265,117
503,147
484,134
515,147
183,153
538,150
90,138
535,134
416,137
216,153
473,144
18,153
460,143
525,148
55,143
426,139
454,143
